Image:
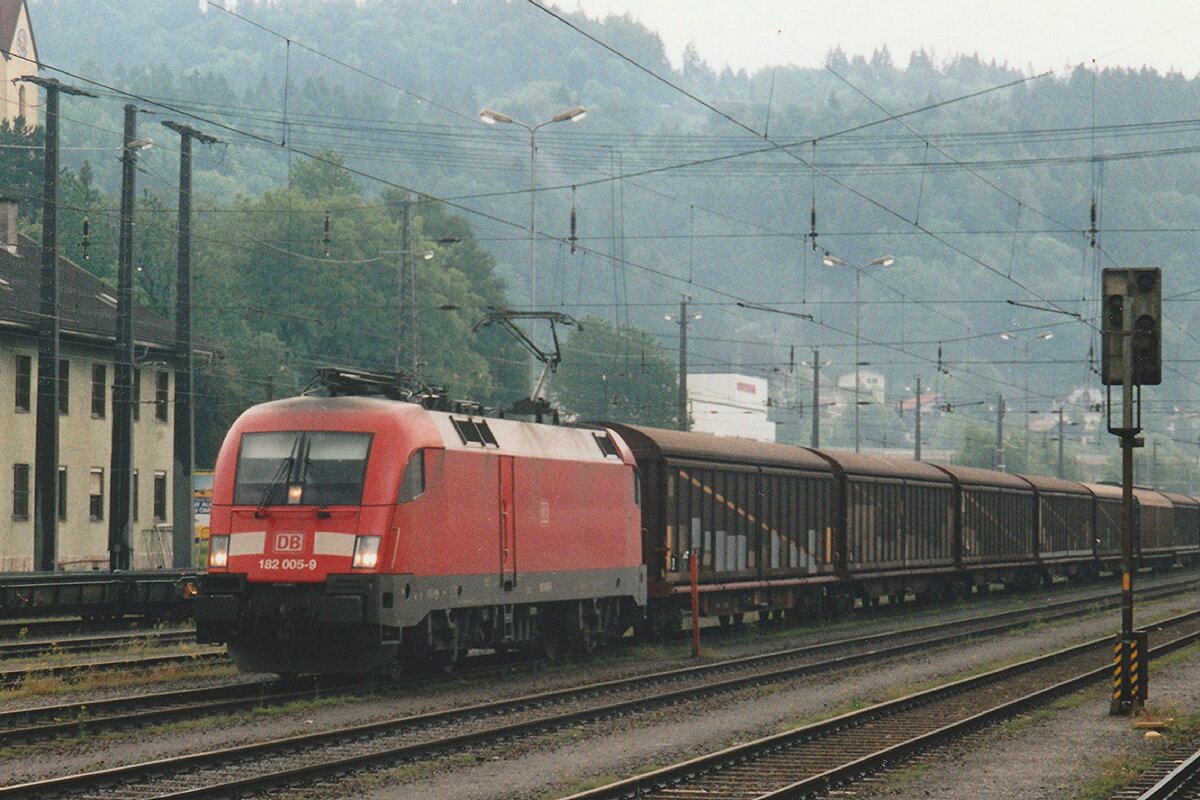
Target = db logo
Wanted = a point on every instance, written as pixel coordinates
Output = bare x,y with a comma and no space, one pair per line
289,542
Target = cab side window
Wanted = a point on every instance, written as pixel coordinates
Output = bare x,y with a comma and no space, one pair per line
413,483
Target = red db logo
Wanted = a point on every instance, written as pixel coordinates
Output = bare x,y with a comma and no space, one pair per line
289,542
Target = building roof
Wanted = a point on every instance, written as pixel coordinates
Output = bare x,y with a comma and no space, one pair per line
88,305
10,15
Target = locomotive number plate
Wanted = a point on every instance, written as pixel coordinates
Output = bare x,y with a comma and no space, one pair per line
287,563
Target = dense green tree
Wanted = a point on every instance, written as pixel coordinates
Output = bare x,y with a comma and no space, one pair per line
617,374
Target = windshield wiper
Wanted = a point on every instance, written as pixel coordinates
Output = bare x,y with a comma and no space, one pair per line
284,469
312,481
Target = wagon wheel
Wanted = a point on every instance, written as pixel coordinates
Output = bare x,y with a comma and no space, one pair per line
397,667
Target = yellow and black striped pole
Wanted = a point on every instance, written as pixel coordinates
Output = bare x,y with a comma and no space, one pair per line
1129,674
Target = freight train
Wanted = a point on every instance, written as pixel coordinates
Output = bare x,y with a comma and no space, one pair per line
356,534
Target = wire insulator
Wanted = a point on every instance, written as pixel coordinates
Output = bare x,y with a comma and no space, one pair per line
813,221
573,238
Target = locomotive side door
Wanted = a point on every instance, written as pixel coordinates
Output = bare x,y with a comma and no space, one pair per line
508,525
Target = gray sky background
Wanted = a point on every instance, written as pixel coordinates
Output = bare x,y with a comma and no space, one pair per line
1035,35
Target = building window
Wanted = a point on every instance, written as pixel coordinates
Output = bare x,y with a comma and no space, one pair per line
64,385
133,496
99,384
62,494
20,491
24,382
160,496
96,494
136,396
161,397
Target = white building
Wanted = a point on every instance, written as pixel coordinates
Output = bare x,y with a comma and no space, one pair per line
871,384
730,405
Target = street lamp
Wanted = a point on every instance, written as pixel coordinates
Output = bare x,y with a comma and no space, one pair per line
833,261
489,117
1009,336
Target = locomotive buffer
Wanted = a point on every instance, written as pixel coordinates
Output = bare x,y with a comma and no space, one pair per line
1131,357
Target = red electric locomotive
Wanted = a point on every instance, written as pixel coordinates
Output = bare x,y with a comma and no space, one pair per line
351,534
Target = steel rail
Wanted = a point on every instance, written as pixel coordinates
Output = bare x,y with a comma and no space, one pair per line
29,648
134,662
44,628
1181,782
227,759
728,760
23,725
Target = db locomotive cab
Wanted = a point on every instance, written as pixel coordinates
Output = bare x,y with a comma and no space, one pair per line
303,523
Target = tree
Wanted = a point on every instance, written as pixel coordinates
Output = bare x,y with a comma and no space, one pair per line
618,374
21,157
324,176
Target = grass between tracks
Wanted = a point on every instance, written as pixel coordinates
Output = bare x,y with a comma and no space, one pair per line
39,684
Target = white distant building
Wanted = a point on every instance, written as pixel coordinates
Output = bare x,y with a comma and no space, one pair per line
730,405
871,384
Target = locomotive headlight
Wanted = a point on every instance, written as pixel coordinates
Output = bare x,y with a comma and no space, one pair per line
218,551
366,552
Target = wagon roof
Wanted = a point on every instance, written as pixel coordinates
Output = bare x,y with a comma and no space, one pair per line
1181,499
1149,497
1104,490
879,466
706,447
975,476
1045,483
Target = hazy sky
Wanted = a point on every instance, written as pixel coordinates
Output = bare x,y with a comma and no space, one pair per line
1044,34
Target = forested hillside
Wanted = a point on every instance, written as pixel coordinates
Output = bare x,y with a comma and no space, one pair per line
979,178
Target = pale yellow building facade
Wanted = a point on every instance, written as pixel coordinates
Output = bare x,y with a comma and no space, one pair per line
19,99
86,369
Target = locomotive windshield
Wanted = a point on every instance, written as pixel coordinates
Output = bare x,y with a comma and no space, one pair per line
319,468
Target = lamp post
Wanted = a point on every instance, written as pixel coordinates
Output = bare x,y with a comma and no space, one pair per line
1044,336
490,117
120,533
833,261
184,423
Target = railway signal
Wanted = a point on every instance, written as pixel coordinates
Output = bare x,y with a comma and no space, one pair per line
1130,357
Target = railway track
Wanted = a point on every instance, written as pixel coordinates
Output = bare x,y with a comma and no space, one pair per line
262,765
813,759
1176,776
47,628
1183,783
140,710
13,676
31,648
